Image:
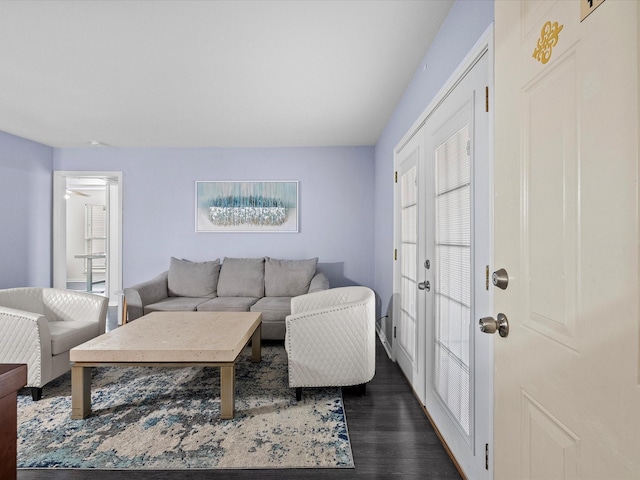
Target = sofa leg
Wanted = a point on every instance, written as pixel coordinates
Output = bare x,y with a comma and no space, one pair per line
36,393
362,389
298,394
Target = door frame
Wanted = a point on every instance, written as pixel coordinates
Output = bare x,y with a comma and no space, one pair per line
484,46
114,209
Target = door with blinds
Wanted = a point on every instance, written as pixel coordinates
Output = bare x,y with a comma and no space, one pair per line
443,239
459,381
408,330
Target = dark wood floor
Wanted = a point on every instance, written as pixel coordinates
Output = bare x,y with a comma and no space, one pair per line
390,437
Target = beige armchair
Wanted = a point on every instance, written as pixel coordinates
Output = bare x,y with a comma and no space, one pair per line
38,326
330,339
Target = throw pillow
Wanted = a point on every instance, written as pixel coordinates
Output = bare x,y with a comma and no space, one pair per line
193,279
288,278
241,277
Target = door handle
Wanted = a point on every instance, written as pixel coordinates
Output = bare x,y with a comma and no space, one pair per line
491,325
425,286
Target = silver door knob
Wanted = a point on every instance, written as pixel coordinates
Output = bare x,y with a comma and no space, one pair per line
425,286
491,325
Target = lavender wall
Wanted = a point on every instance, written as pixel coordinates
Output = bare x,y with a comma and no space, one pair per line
465,24
335,200
346,194
25,212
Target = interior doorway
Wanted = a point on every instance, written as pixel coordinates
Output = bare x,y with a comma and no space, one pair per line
87,239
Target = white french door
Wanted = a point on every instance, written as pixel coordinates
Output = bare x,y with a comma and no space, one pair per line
458,356
441,274
409,329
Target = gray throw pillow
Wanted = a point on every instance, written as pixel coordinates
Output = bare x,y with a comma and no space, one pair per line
288,278
241,277
193,279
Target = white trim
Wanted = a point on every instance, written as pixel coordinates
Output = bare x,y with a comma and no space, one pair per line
484,44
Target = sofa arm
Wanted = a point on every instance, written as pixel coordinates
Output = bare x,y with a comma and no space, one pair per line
61,305
319,282
145,293
319,300
25,338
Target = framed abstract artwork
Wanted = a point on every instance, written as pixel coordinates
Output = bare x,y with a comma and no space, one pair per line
247,206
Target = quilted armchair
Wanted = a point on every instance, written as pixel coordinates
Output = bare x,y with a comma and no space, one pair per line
38,326
330,338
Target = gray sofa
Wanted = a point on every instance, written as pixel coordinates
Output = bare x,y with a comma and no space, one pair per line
237,285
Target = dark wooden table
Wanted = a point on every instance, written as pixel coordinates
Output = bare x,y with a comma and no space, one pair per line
12,378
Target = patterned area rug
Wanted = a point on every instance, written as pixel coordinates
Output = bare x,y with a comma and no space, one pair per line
168,418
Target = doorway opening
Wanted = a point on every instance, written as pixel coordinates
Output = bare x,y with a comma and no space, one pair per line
87,238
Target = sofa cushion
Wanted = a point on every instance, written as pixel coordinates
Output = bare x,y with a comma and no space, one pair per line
241,277
273,308
175,304
288,278
193,279
227,304
70,333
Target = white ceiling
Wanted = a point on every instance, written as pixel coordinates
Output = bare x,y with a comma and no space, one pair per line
209,73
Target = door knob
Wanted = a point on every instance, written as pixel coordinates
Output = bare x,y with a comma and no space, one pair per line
491,325
425,286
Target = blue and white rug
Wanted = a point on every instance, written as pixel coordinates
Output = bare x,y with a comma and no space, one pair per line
169,418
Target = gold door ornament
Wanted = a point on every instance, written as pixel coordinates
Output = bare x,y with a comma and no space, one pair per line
548,39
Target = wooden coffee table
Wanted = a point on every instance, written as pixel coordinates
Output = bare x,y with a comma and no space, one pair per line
169,339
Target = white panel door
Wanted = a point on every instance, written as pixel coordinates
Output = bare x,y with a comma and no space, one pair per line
567,392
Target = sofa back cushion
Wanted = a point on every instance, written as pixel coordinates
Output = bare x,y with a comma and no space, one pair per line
193,279
241,277
28,299
288,278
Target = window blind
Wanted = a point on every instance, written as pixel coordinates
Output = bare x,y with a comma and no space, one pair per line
453,275
96,233
409,245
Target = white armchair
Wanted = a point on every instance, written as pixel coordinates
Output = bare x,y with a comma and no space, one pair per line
330,338
38,326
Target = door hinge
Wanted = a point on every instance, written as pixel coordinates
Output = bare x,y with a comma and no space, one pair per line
486,456
395,180
486,96
394,332
395,254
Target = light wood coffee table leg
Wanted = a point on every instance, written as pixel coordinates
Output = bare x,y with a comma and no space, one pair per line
256,345
227,391
80,392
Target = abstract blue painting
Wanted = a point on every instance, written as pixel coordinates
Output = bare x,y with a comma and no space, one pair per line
247,206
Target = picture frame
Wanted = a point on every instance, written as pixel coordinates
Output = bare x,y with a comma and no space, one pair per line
246,206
